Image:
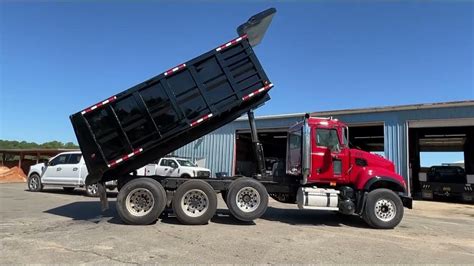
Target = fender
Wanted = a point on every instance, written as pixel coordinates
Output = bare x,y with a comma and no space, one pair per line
370,175
389,180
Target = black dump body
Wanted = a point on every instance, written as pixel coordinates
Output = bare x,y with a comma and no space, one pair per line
164,113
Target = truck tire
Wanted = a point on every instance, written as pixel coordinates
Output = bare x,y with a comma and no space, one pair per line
68,189
383,209
141,201
92,190
194,202
34,183
247,199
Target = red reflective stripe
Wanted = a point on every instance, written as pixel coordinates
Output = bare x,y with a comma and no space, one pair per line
93,107
234,41
174,69
250,95
201,119
124,158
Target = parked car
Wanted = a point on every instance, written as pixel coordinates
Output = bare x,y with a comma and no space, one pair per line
174,167
67,170
447,181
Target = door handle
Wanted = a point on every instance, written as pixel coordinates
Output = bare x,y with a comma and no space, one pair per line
74,169
166,169
58,169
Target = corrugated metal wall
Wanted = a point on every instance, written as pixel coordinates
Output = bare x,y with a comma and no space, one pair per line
218,146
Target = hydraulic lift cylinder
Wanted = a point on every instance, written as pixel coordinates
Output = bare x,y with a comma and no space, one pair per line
257,146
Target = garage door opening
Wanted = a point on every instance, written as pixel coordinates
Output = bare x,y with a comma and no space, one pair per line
274,146
440,155
367,138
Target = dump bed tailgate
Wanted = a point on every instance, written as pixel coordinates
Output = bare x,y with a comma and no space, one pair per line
160,115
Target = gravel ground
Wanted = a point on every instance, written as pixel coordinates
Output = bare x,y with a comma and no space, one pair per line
58,227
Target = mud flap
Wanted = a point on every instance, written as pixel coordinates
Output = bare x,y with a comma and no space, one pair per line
103,196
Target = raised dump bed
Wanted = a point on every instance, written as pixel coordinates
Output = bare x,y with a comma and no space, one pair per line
135,127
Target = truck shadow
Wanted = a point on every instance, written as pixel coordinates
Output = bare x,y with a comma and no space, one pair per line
75,192
86,211
91,211
222,216
312,217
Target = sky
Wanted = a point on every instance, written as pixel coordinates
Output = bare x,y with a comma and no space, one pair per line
59,58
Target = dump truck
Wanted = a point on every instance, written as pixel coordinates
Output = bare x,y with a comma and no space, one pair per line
150,120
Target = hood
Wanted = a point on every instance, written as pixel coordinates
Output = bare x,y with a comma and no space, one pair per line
39,167
374,159
201,169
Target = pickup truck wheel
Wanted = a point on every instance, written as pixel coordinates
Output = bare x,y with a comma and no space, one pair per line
34,183
247,199
141,201
194,202
68,189
92,190
383,209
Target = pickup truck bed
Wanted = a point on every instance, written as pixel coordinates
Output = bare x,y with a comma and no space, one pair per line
156,117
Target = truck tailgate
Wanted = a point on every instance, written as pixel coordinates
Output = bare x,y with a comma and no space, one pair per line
158,116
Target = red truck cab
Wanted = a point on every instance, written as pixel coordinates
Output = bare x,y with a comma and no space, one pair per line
318,151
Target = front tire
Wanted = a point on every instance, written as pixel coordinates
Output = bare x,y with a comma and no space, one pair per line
383,209
141,201
194,202
92,190
34,183
247,199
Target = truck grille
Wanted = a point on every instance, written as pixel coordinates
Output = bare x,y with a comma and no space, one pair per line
203,174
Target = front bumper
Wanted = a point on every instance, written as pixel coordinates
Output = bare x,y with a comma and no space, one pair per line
407,201
111,184
203,174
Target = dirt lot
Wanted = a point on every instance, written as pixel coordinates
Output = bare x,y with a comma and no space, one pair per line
56,227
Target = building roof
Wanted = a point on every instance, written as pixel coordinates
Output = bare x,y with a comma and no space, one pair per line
36,151
372,110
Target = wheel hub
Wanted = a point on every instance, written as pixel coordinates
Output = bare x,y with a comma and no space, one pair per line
195,202
248,199
34,182
139,202
385,210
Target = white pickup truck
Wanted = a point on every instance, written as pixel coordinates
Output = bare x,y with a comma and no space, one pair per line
67,170
174,167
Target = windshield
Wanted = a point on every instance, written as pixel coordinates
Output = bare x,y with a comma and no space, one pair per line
185,163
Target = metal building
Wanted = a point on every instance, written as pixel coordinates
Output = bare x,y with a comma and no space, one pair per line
399,133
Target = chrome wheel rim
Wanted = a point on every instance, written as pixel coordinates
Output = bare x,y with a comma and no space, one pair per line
92,189
34,182
194,203
139,202
385,210
247,199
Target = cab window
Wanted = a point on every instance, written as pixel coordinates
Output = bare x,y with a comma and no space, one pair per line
165,162
74,158
61,159
327,138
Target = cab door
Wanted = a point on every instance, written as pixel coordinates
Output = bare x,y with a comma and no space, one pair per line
54,171
328,155
71,170
167,167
